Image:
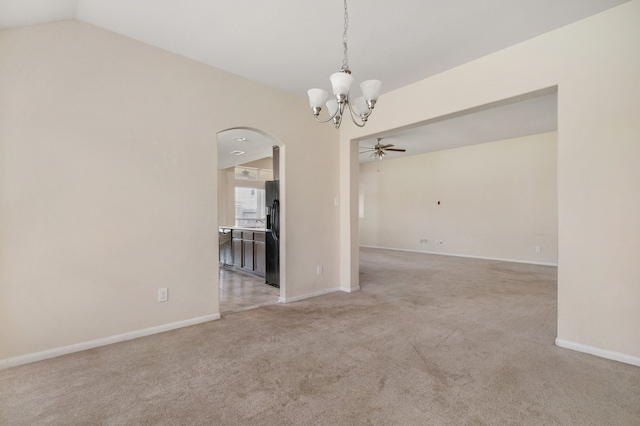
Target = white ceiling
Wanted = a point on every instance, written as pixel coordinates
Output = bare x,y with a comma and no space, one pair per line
254,145
512,118
295,45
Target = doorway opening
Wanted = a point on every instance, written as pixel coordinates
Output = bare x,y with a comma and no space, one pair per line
249,165
481,183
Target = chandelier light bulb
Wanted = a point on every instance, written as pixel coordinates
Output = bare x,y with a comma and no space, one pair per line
317,97
360,106
371,89
332,107
341,83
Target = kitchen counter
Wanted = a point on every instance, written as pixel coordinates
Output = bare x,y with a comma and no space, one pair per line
241,228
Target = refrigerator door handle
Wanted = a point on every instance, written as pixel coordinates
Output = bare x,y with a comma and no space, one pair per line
275,220
267,215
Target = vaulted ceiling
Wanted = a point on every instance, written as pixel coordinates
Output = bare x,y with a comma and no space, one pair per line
296,45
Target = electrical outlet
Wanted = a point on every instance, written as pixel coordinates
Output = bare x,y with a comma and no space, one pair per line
163,294
538,249
319,270
424,241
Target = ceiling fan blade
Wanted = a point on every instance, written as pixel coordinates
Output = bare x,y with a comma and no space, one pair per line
368,150
386,146
396,149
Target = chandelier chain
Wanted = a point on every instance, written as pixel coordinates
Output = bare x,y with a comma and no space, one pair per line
345,61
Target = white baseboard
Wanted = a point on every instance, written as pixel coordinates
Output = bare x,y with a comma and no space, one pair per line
602,353
530,262
308,295
65,350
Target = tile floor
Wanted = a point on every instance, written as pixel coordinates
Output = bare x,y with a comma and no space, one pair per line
240,291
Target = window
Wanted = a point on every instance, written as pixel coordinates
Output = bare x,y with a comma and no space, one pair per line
250,211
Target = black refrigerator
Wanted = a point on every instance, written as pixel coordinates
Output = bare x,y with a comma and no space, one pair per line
272,237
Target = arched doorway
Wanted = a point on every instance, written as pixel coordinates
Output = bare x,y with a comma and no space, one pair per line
249,167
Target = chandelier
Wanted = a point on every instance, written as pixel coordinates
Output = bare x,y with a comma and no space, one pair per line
360,108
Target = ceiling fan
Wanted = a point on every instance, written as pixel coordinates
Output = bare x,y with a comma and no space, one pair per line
378,151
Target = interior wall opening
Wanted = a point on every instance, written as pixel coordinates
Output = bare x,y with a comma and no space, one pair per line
249,174
480,183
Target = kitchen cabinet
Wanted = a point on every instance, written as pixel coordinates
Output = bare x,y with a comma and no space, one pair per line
247,254
259,253
248,248
226,251
236,246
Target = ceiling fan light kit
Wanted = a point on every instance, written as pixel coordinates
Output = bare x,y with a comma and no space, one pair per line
360,109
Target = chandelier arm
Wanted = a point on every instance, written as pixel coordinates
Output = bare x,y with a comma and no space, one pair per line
361,124
338,113
325,121
362,119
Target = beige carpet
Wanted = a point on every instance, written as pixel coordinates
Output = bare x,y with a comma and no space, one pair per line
429,340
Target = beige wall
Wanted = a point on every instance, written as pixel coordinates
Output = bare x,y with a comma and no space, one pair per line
108,177
596,65
497,200
226,185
